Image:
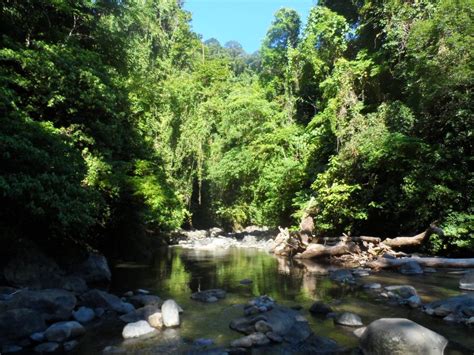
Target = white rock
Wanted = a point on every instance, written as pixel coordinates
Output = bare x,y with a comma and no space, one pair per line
170,313
137,329
156,320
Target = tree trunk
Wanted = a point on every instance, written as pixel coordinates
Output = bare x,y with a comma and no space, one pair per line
383,263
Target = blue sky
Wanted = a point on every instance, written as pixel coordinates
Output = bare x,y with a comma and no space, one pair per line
245,21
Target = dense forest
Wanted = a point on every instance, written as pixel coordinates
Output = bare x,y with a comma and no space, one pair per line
117,119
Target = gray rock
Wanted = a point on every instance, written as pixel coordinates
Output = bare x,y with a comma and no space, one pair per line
348,319
342,276
84,315
70,345
62,331
145,300
246,325
20,322
462,305
137,329
170,313
45,348
467,281
209,296
372,286
97,298
401,291
94,270
10,349
53,304
283,321
401,336
255,339
429,270
142,291
38,337
411,268
319,308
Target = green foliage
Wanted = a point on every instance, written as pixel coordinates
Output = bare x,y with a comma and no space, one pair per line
115,114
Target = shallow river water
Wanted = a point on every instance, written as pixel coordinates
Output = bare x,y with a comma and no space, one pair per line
177,272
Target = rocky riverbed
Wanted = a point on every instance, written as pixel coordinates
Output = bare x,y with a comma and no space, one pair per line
202,297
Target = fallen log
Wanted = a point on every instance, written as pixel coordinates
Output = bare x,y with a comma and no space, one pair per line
401,242
318,250
374,240
383,263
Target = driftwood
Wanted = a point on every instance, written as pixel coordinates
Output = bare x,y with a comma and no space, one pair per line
383,263
319,250
363,250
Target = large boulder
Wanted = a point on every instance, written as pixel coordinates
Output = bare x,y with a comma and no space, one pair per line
137,329
53,304
170,313
94,270
97,298
62,331
401,336
32,269
20,323
467,281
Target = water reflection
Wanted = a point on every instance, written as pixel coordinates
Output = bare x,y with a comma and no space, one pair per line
176,273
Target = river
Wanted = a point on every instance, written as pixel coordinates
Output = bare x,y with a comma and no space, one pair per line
177,272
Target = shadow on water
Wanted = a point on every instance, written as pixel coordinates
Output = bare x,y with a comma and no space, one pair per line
177,272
